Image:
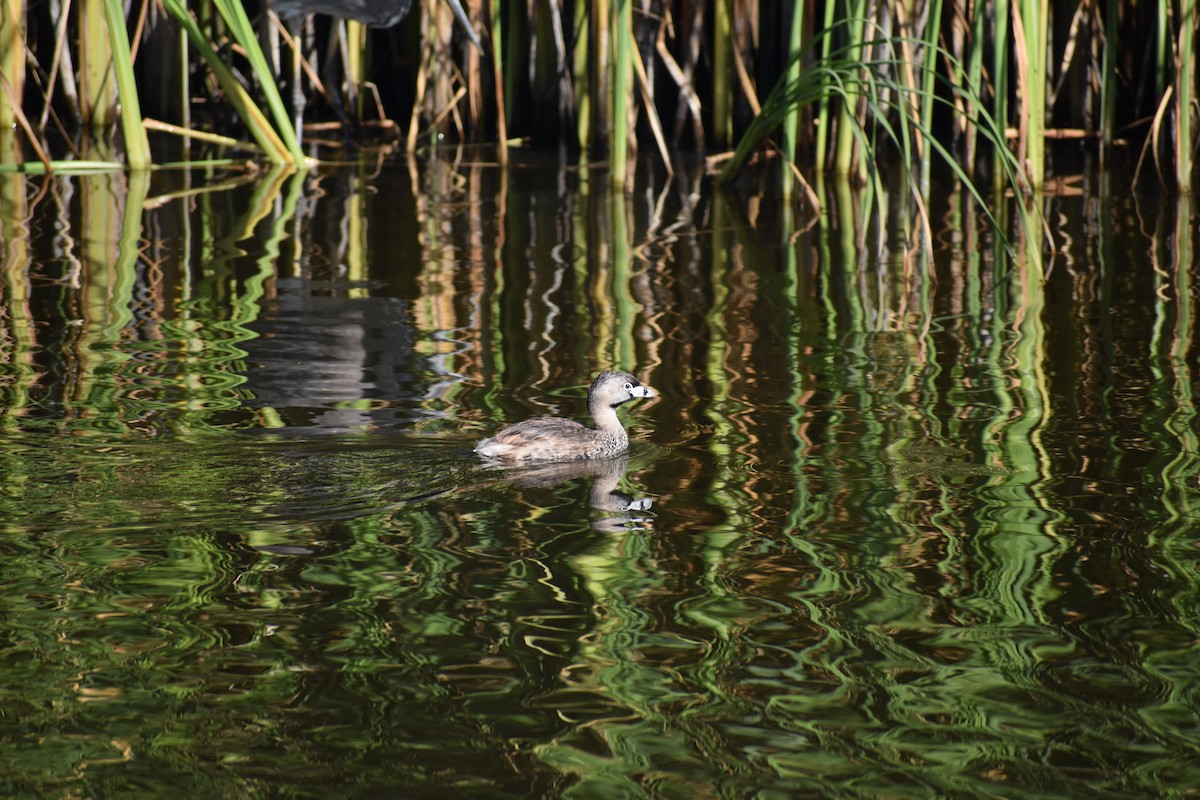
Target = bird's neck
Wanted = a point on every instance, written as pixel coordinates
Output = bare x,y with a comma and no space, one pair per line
605,417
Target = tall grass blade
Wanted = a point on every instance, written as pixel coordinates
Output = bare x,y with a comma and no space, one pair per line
240,28
260,127
137,146
886,90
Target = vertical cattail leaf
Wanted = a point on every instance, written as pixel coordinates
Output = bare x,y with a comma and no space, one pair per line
137,146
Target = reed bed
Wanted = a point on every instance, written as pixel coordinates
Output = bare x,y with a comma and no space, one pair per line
983,88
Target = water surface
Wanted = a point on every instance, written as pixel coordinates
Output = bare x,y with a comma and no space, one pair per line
894,526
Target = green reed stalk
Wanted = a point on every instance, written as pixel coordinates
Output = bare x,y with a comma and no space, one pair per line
1108,76
137,146
824,122
1001,61
1185,84
1162,47
791,122
582,86
847,115
1034,18
722,85
622,90
929,44
185,81
357,56
12,61
96,85
974,81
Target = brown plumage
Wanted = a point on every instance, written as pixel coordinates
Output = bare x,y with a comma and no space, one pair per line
558,439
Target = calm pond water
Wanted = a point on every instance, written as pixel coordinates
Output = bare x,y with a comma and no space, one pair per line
894,527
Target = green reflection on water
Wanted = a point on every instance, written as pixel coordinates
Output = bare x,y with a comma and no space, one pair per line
892,528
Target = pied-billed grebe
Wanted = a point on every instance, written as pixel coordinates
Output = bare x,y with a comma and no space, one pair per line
557,439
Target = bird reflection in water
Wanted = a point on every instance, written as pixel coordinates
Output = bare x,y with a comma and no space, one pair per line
620,510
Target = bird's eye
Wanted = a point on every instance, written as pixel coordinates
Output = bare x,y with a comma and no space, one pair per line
629,387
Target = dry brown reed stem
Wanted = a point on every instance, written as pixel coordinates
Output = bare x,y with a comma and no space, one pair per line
23,122
751,94
1151,144
414,120
695,29
474,75
651,110
683,81
907,35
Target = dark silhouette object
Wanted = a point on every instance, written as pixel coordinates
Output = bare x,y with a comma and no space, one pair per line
376,13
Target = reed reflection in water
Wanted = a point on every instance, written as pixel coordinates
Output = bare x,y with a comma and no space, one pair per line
895,526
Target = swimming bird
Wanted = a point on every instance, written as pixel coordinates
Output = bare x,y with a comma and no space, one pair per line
558,439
